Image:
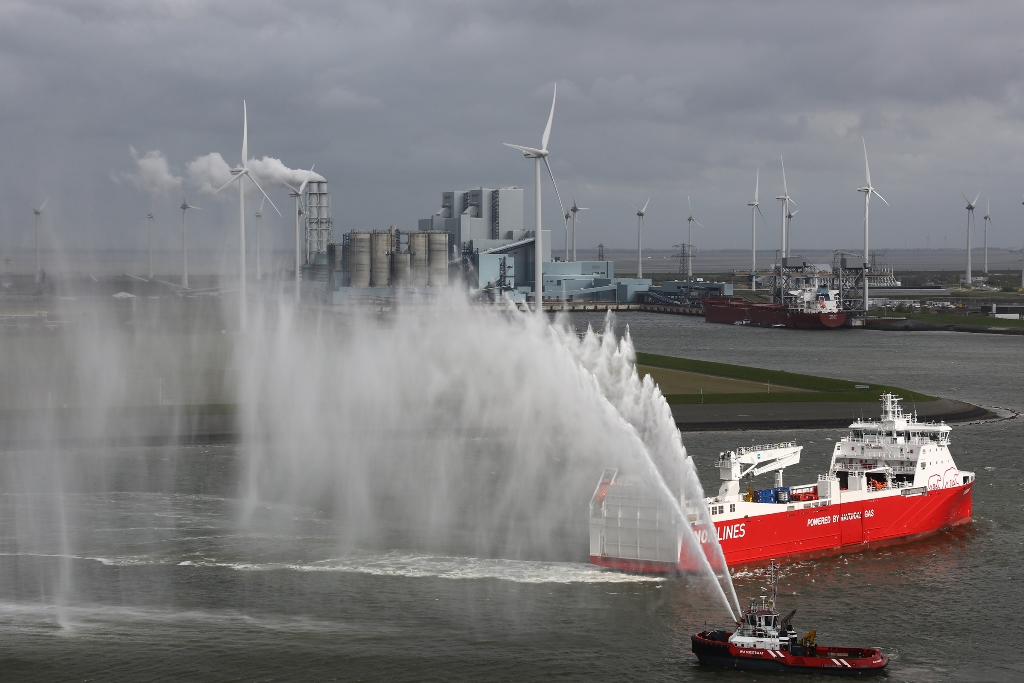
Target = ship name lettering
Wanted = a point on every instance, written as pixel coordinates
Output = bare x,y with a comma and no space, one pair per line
732,531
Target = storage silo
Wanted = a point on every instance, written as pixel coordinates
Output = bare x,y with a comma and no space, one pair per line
358,253
400,269
418,255
437,261
380,258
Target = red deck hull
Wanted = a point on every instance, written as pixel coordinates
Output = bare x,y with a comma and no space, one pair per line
726,310
827,530
772,315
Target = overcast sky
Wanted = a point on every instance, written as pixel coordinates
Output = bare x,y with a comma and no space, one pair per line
396,102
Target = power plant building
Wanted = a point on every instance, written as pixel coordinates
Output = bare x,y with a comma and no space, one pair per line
476,238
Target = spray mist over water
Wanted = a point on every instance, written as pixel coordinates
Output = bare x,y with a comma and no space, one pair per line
449,441
455,430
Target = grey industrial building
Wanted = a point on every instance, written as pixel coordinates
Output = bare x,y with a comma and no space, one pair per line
476,238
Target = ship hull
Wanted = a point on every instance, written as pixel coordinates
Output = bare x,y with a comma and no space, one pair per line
847,526
816,660
726,311
774,315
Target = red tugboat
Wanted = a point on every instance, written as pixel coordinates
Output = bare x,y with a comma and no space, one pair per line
764,641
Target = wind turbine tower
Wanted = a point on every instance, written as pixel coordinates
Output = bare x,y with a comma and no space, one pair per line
575,210
690,220
259,224
986,219
150,220
868,190
240,173
754,208
640,213
970,220
39,212
785,199
297,194
538,155
185,206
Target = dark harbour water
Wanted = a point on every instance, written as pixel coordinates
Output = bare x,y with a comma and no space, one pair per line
158,582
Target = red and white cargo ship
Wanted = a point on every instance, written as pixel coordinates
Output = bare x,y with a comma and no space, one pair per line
891,480
812,307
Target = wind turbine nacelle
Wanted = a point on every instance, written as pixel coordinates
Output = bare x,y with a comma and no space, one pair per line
236,171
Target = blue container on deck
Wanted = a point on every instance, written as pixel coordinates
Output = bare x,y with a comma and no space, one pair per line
778,495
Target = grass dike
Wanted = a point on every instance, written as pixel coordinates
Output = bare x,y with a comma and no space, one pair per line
706,395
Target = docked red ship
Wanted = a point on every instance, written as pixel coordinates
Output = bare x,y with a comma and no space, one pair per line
766,641
813,307
890,480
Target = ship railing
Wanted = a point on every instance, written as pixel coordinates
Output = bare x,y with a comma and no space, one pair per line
827,477
743,450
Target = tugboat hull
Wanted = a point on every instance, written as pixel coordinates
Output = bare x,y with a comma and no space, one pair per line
712,651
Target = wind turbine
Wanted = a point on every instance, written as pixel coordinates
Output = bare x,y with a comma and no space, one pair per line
185,206
986,219
868,190
152,219
753,231
690,220
239,173
575,210
640,213
567,216
39,212
970,219
297,193
785,199
537,155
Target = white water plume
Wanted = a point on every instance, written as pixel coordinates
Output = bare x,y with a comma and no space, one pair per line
455,430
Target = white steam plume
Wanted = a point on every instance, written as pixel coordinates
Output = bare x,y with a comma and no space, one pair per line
152,176
209,172
276,173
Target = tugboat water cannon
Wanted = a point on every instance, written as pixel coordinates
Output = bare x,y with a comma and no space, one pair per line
764,641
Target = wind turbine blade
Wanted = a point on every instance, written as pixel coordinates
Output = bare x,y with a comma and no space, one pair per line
528,151
763,222
551,117
265,195
634,207
785,188
867,170
975,202
45,202
262,202
965,198
560,205
689,206
644,210
879,196
308,176
794,213
245,136
757,182
233,179
698,223
292,188
197,208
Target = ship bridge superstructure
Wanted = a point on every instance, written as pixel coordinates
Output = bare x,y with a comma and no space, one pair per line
895,452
